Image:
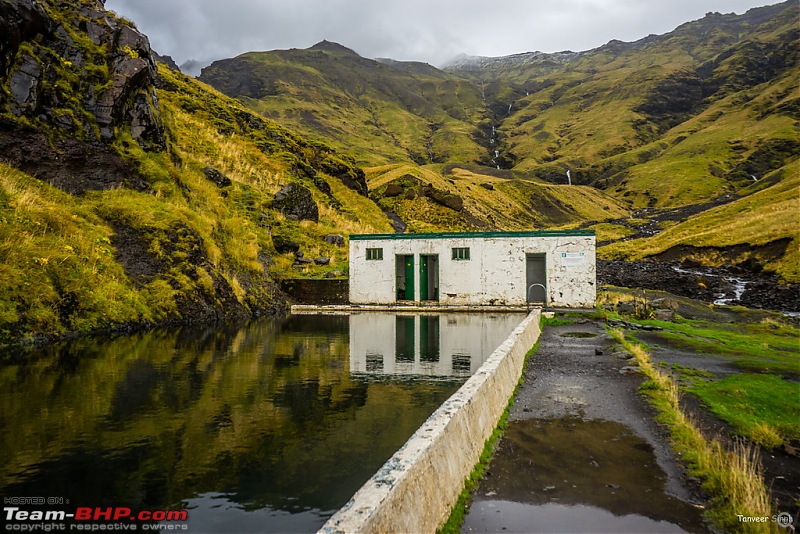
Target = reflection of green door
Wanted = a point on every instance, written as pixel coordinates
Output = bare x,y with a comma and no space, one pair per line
409,262
404,340
429,338
423,278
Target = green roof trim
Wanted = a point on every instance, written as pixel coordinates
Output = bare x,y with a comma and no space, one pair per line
473,235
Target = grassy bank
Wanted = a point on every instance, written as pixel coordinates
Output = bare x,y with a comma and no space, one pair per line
733,477
760,401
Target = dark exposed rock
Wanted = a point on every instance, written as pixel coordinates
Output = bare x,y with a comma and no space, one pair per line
20,21
303,261
181,249
24,86
350,175
166,60
702,283
296,203
392,190
132,248
217,177
448,200
284,244
111,87
397,223
69,164
488,187
322,260
334,274
323,186
334,239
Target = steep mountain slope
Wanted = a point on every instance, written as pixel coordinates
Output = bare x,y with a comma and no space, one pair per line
670,121
383,111
698,106
131,195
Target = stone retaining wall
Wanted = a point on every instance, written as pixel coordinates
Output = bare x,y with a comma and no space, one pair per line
316,291
416,488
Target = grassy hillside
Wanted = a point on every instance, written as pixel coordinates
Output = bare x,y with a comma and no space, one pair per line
763,226
380,111
437,198
667,121
184,248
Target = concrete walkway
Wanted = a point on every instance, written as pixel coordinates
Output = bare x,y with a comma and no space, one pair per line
582,452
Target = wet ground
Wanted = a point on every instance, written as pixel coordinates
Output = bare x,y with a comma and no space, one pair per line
731,285
780,466
582,452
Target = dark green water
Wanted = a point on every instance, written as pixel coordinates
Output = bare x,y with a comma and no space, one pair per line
267,427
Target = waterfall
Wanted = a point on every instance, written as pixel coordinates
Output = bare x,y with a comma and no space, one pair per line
569,179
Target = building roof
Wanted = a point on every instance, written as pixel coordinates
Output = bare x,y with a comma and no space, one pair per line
476,235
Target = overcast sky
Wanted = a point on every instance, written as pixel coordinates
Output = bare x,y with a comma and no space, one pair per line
421,30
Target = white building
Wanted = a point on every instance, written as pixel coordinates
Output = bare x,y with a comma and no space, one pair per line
556,268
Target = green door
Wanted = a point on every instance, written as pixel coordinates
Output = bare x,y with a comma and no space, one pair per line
423,278
428,277
409,262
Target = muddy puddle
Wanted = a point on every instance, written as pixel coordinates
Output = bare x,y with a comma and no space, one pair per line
573,475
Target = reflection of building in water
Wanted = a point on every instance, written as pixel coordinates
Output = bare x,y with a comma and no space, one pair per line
445,344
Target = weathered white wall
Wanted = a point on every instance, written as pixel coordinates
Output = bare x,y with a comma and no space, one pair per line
416,488
495,274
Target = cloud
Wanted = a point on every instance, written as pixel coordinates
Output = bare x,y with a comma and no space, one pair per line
423,30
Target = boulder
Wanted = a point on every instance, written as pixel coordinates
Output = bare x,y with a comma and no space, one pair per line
392,190
350,175
448,200
334,274
323,186
334,239
322,260
284,244
217,177
296,203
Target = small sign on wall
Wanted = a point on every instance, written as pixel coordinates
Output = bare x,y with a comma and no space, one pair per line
573,258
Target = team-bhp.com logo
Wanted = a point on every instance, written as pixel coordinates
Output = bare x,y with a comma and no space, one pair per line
92,518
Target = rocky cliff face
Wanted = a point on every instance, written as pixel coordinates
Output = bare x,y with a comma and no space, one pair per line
75,70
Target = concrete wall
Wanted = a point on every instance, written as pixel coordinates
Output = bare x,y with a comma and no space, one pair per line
495,274
316,290
416,488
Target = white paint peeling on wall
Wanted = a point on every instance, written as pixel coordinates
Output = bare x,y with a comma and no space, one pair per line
496,272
